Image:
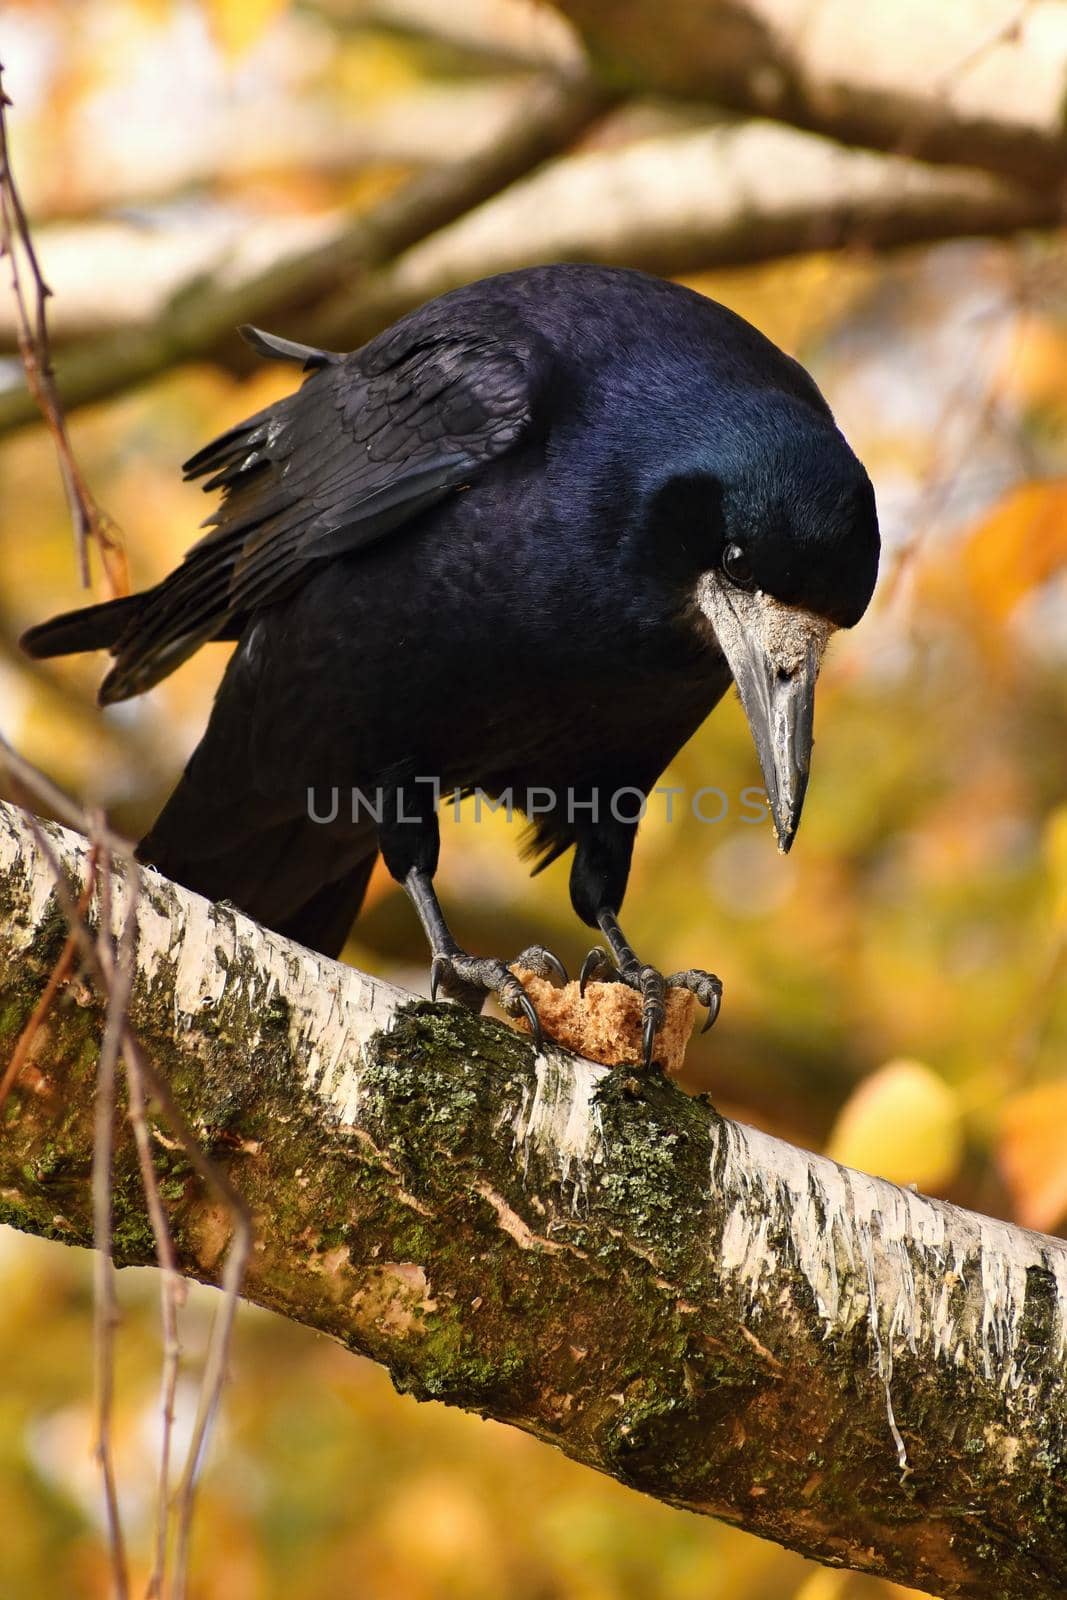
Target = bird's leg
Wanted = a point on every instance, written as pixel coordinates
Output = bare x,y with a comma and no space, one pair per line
409,837
468,978
622,966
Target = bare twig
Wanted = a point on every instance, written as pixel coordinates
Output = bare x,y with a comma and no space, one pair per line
60,973
973,396
172,1294
233,1272
90,522
39,790
915,134
118,971
113,969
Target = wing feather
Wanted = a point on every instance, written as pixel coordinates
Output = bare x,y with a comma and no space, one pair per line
368,442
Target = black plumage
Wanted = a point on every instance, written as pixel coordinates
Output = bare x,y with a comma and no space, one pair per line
521,541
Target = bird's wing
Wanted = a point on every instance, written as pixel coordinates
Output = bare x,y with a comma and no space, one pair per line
368,442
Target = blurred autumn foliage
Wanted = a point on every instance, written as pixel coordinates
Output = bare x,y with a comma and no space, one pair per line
895,989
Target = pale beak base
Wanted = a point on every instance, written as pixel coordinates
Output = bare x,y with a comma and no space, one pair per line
774,652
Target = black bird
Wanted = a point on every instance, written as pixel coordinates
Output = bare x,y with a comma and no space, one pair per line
521,542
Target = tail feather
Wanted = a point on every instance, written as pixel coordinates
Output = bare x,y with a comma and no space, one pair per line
91,628
297,877
323,922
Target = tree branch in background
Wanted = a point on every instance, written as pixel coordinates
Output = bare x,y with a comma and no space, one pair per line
90,522
673,203
523,34
688,201
204,316
707,1314
909,78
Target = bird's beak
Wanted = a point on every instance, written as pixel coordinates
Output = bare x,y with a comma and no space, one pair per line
774,652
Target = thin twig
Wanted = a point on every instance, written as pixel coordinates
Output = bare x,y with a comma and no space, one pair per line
233,1271
59,975
172,1295
119,970
938,480
39,790
35,351
911,143
172,1286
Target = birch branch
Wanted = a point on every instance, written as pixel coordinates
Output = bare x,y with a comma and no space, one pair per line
707,1314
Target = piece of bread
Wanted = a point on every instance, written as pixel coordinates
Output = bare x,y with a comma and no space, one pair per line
605,1024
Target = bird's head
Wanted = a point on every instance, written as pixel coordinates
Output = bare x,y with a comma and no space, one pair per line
783,530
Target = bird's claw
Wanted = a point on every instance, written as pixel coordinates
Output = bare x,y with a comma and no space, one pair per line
652,986
648,1039
705,985
597,966
543,964
468,979
452,976
522,1003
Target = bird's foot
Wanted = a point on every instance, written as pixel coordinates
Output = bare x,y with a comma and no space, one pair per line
652,986
468,979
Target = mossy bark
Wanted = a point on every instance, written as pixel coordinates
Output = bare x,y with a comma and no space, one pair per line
870,1377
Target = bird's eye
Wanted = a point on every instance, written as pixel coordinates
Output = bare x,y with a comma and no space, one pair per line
737,566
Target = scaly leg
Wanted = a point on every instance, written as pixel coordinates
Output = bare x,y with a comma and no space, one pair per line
468,979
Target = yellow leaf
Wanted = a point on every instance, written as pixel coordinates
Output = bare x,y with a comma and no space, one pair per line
1032,1154
824,1585
1020,546
238,24
902,1123
1035,364
1056,853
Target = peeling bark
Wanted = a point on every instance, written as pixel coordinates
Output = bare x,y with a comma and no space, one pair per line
714,1317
